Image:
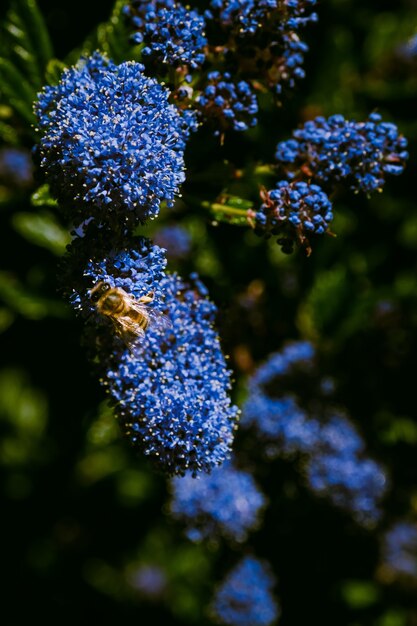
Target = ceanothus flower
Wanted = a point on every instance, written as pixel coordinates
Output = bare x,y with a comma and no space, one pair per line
334,150
295,356
281,424
111,144
399,549
171,34
175,239
250,16
292,212
339,469
261,37
226,502
170,389
230,104
16,167
245,596
291,411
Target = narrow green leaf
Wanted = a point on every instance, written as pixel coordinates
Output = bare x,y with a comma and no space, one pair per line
37,27
13,81
16,89
43,230
27,40
21,47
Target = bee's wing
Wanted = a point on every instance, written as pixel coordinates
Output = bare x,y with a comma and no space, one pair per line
157,319
128,331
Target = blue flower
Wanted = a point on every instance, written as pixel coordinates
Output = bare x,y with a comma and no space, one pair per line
291,411
293,357
248,17
245,596
281,424
230,104
149,580
226,502
16,167
399,549
175,239
262,37
338,468
334,150
292,212
170,33
170,390
111,145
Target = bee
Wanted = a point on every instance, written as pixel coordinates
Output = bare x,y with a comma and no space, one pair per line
130,316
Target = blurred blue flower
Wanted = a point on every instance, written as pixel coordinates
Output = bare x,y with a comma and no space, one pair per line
175,239
293,416
399,549
16,167
338,468
226,502
245,596
150,580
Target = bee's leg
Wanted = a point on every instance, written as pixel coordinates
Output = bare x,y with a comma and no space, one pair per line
148,298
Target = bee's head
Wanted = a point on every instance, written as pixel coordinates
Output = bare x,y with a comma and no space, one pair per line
98,290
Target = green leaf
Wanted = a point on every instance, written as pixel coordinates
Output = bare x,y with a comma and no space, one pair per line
111,37
42,197
325,302
54,71
43,230
28,39
17,90
24,301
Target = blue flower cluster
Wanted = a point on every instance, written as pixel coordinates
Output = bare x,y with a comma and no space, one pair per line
111,145
296,355
231,104
282,425
293,211
226,502
16,168
170,33
399,549
291,412
334,150
262,37
250,16
245,596
175,239
338,469
170,391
